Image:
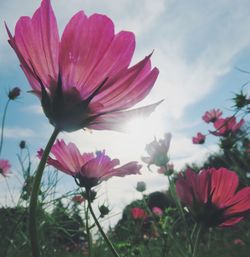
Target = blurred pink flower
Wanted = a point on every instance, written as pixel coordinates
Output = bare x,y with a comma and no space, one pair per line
4,167
212,196
157,151
238,242
78,199
226,126
138,213
157,211
199,138
212,115
167,170
88,169
84,79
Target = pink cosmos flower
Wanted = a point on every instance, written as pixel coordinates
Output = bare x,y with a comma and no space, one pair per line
138,213
4,167
157,211
199,138
83,79
212,196
212,115
157,151
227,126
88,169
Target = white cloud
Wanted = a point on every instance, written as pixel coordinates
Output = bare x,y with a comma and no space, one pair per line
17,132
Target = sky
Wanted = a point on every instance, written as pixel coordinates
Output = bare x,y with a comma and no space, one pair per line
197,46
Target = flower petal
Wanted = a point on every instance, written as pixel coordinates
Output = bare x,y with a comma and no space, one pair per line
36,43
84,43
115,120
223,185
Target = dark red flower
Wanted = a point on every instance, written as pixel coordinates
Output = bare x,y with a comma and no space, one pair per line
212,197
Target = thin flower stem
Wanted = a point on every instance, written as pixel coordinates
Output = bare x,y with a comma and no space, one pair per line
3,122
34,195
86,210
197,241
110,245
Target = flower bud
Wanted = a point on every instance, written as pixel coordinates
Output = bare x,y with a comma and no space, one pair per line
104,210
14,93
141,186
22,144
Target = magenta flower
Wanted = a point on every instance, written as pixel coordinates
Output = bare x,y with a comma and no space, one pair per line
88,169
157,211
84,78
227,126
212,115
4,167
138,213
212,196
199,138
157,151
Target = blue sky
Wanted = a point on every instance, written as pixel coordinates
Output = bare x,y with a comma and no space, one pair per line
197,45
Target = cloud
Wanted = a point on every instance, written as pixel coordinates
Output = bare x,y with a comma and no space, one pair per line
17,132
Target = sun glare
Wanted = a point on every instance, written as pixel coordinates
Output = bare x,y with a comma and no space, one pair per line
142,131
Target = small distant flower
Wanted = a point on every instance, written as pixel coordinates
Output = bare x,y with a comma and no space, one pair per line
78,199
5,167
199,138
88,169
157,211
212,196
227,126
238,242
138,213
83,79
22,144
104,210
158,151
212,115
167,170
14,93
141,186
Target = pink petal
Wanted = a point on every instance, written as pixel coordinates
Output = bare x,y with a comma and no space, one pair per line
231,222
184,191
117,58
239,203
84,43
116,120
127,169
68,156
128,88
37,42
223,185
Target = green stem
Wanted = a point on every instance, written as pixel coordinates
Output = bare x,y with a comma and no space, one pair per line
3,122
110,245
197,241
34,195
88,231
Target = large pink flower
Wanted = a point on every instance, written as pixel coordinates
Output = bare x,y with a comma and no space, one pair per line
212,196
84,79
88,169
227,126
4,167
